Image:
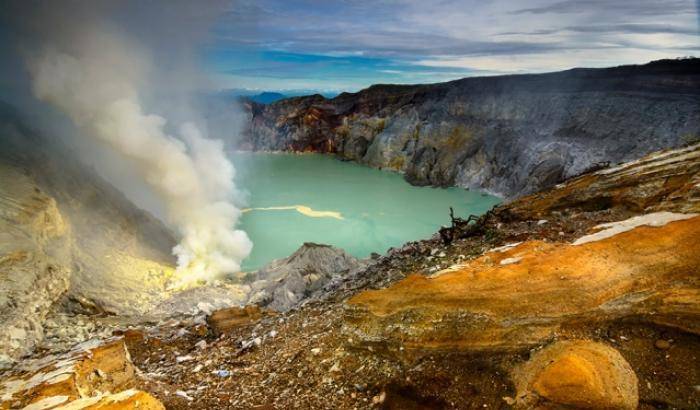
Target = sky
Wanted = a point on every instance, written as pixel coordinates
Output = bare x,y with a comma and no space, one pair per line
346,45
330,46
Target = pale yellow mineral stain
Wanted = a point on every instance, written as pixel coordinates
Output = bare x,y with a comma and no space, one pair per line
302,209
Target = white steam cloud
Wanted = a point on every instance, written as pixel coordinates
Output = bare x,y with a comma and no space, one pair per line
96,81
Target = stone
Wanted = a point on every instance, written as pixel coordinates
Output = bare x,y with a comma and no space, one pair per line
222,373
663,181
662,344
485,305
579,374
225,320
70,242
35,261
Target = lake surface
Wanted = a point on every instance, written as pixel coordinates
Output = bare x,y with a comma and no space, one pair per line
294,199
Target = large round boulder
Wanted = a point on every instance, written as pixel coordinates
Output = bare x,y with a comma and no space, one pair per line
578,374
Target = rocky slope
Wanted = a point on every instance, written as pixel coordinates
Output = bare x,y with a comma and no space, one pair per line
582,296
495,302
508,135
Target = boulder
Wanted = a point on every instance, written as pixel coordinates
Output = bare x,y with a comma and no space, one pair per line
224,320
521,296
579,374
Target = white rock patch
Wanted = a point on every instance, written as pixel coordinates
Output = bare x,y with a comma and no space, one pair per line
611,229
47,403
505,247
510,261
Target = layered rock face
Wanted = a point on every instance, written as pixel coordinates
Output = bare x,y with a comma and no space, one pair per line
93,375
667,180
35,261
582,320
520,297
69,241
509,135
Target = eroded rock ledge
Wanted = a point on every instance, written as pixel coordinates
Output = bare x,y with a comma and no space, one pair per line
521,296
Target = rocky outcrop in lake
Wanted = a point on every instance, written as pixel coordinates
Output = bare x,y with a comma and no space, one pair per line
508,135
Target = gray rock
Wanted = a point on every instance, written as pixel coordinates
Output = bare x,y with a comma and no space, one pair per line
284,283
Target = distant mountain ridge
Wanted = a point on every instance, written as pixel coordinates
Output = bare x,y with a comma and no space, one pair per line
267,97
509,135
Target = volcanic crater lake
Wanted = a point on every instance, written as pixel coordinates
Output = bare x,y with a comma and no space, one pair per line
295,198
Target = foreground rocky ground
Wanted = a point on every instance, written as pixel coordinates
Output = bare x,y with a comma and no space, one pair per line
583,296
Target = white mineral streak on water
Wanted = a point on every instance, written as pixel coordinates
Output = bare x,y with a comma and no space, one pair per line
611,229
302,209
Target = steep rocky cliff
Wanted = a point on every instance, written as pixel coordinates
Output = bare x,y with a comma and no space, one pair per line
508,135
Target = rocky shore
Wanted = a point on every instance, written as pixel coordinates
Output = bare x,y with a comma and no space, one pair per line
507,135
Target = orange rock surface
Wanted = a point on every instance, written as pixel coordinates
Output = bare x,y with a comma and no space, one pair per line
521,296
581,374
90,369
126,400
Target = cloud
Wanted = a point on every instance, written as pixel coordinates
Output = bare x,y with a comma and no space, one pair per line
637,7
515,34
538,63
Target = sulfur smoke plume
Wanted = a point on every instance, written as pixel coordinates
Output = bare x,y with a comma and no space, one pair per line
95,81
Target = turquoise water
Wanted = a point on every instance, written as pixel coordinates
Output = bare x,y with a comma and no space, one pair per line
317,198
